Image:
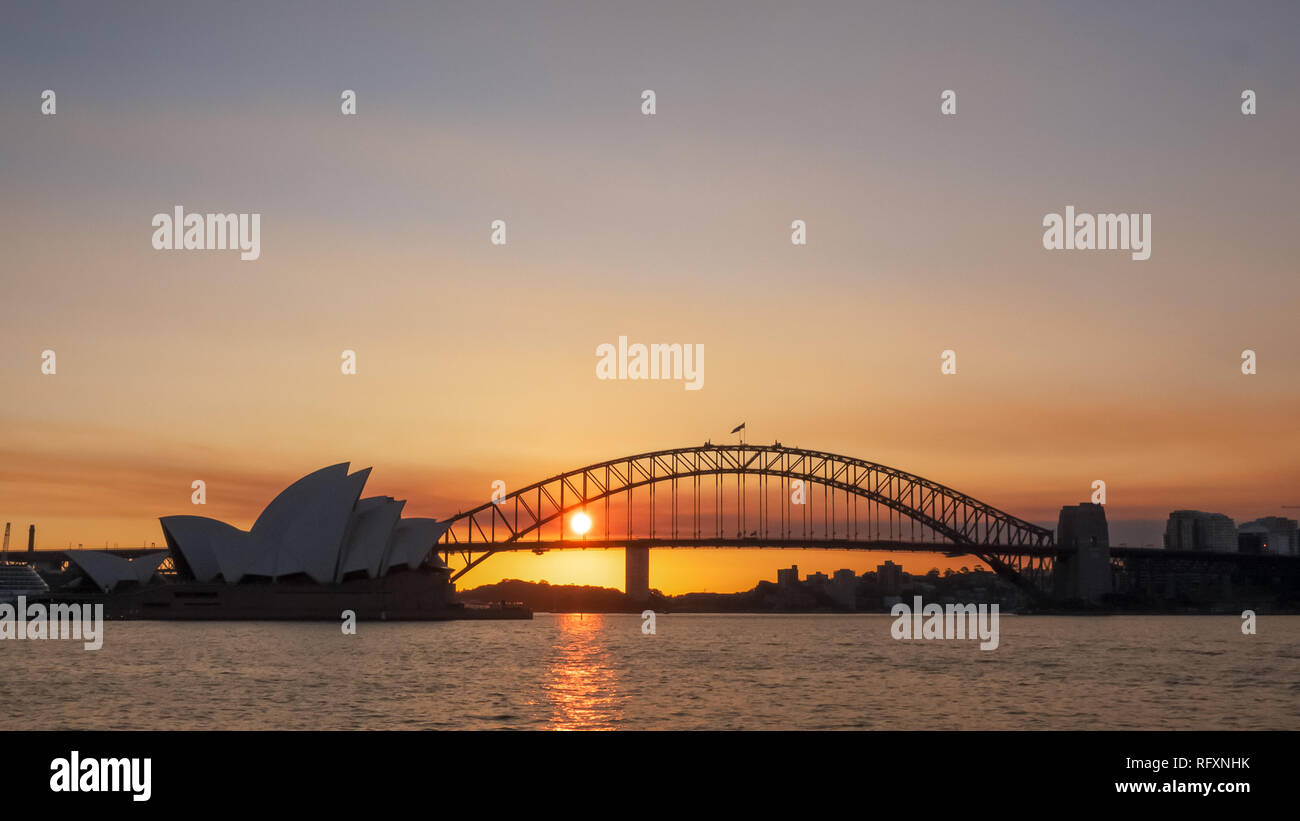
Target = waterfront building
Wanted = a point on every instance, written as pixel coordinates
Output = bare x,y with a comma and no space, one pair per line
1196,530
319,527
844,589
1272,534
319,551
890,578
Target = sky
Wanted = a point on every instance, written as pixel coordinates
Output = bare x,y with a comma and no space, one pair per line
475,362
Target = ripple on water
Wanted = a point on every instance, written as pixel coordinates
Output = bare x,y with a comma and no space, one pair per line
600,672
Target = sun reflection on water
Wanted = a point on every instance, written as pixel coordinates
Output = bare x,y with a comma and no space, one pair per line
580,684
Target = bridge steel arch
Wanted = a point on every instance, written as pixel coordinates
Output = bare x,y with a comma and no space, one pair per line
1009,545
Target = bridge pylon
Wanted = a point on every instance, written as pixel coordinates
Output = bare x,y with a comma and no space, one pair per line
637,574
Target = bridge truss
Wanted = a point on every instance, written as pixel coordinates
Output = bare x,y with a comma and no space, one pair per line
746,495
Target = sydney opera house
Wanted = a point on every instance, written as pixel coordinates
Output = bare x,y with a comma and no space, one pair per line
317,550
318,529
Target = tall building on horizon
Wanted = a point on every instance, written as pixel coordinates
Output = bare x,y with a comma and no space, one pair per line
1197,530
890,577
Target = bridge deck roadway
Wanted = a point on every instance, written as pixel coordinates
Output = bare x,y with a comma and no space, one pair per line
751,543
851,544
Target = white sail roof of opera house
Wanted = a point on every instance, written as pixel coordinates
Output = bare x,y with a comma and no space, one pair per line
318,526
108,571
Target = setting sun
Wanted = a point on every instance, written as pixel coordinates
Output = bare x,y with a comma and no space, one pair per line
580,523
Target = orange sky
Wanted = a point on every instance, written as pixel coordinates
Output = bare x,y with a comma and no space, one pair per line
476,362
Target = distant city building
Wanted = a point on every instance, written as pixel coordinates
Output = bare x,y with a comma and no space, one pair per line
1252,538
1271,534
1196,530
818,579
890,578
844,589
788,577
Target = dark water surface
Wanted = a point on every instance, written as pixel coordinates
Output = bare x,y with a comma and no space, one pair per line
696,672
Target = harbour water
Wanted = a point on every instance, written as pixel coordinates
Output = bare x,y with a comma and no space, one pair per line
695,672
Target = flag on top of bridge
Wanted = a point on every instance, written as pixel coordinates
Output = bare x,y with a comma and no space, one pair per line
738,428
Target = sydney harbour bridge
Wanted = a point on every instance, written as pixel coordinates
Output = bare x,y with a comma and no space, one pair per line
749,496
774,496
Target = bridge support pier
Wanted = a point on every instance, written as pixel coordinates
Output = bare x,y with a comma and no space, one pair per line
637,575
1084,573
